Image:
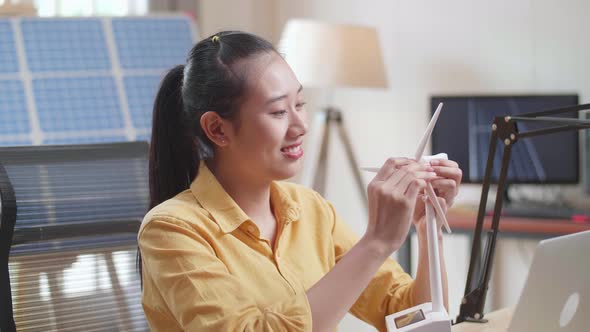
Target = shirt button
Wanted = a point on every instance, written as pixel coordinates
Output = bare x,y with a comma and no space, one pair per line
251,229
292,214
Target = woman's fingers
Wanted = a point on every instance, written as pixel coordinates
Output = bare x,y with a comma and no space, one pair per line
448,172
444,185
413,179
446,188
449,179
444,162
414,188
390,166
401,178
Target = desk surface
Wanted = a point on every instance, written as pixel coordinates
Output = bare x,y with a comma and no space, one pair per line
462,219
498,321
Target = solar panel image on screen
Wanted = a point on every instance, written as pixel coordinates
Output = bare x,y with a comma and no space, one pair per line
85,80
464,127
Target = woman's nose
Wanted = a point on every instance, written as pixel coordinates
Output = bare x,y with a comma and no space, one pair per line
298,123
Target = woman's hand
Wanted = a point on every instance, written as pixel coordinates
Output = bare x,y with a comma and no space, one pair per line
446,187
392,200
420,222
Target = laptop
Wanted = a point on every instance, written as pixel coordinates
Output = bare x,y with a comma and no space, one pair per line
556,295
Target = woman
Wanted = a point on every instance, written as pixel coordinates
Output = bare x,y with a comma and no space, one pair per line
226,246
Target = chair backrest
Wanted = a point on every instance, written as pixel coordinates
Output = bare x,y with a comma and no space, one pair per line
69,220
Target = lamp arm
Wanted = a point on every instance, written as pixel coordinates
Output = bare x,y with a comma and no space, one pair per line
554,111
473,302
492,235
505,129
476,245
549,119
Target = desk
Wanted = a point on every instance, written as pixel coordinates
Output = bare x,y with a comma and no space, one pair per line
462,221
498,321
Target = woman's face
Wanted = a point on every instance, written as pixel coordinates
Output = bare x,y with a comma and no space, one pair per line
268,131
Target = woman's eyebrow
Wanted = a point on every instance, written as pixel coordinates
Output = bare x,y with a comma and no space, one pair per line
272,100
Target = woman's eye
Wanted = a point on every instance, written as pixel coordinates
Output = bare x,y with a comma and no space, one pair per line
279,113
301,104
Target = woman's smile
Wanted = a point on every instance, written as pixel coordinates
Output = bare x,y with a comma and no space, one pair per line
294,151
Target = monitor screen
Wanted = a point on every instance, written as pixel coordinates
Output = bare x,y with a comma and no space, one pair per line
464,127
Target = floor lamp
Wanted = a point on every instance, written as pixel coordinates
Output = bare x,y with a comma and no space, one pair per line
326,55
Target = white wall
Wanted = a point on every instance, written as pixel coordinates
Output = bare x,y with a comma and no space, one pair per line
436,47
255,16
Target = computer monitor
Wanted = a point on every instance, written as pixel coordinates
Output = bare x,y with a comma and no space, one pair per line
463,132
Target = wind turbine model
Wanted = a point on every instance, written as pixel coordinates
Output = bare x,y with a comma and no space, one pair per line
430,316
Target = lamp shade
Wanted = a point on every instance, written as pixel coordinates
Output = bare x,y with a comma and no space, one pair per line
333,55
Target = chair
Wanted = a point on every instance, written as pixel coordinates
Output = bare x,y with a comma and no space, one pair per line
68,236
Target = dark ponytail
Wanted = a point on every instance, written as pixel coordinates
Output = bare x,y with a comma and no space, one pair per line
173,153
210,81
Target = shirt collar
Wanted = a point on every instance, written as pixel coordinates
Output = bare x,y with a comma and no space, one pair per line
226,212
286,209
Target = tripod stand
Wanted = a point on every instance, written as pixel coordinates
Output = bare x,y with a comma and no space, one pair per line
325,120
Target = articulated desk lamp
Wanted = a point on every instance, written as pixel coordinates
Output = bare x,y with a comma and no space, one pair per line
430,316
505,129
327,56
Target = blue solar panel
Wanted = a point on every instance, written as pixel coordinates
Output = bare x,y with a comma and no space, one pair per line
83,103
67,44
13,108
141,92
80,93
8,59
149,43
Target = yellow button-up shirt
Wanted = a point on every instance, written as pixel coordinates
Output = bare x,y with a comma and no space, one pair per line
205,267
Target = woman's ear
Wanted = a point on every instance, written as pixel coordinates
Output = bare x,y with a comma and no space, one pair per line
216,128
